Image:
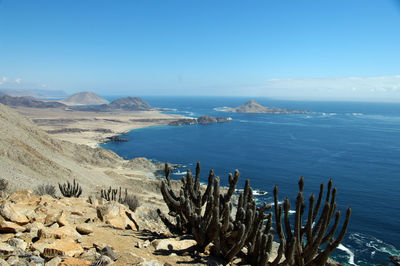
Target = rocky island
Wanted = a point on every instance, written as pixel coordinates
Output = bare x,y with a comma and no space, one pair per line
254,107
202,120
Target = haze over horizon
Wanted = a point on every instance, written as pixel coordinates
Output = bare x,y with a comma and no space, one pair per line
313,50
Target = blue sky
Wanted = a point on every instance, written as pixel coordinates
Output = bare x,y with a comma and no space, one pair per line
342,49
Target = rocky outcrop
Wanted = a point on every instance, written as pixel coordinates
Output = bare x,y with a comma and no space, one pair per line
115,138
254,107
53,228
84,98
29,102
203,120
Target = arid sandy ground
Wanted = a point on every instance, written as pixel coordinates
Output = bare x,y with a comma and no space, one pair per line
91,128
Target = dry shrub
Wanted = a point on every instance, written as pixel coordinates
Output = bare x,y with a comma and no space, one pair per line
46,190
132,202
3,185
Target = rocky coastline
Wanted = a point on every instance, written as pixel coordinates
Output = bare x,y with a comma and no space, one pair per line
202,120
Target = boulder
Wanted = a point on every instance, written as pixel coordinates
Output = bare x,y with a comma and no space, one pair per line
51,218
3,262
73,262
173,244
84,229
10,227
54,261
24,197
34,227
59,233
62,219
8,212
62,247
6,248
17,243
116,215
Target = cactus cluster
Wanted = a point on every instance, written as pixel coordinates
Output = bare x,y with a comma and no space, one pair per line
210,218
70,190
114,194
189,202
110,194
301,243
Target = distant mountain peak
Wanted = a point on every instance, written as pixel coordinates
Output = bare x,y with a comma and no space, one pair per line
85,98
130,103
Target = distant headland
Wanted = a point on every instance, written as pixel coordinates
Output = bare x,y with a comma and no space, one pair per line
256,108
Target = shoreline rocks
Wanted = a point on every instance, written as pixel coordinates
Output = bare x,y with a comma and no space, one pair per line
202,120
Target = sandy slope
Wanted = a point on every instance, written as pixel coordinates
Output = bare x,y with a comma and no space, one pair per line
94,126
29,157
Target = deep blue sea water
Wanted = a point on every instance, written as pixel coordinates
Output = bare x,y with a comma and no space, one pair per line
356,144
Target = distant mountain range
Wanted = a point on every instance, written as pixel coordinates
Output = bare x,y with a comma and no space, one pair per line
84,98
122,104
29,102
125,104
36,93
254,107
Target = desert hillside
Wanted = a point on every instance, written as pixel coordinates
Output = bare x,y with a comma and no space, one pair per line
29,157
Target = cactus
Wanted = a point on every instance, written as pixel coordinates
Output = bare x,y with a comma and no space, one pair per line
209,218
216,224
70,190
190,195
302,245
111,194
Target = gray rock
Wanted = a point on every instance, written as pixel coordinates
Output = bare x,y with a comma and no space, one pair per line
3,262
107,251
6,248
18,243
36,259
105,260
14,260
54,261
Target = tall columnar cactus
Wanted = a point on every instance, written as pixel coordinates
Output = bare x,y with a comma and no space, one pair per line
302,243
243,228
190,194
217,223
111,194
70,190
209,218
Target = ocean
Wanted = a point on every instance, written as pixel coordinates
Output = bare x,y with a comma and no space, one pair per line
355,144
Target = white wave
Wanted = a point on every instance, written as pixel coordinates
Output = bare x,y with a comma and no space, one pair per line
259,192
170,109
279,203
221,109
255,192
349,252
292,212
357,114
179,173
